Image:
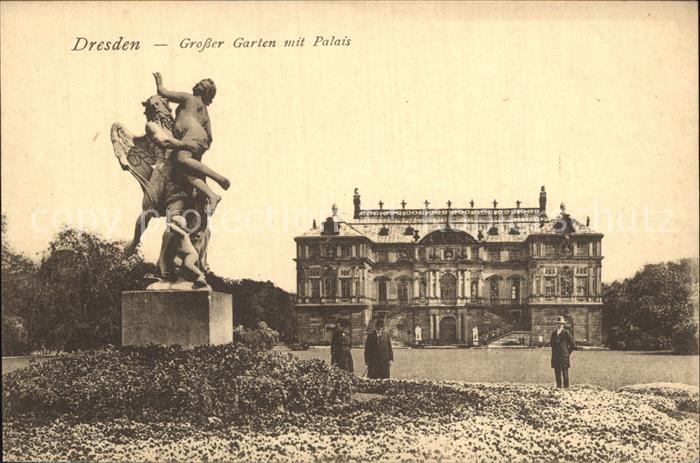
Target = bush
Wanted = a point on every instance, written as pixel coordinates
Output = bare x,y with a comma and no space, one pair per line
230,382
685,340
259,339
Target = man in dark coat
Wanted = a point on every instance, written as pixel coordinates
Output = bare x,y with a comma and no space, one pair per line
378,352
562,345
341,344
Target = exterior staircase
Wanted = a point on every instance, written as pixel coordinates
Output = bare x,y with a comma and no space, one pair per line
399,337
521,337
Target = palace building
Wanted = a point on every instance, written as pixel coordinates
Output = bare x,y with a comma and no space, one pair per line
506,271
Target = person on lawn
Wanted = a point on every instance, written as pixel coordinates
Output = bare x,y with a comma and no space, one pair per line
340,348
562,346
378,352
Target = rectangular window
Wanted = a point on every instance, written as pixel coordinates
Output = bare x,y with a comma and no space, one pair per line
315,250
382,256
315,288
514,255
329,287
347,251
582,249
549,250
581,286
494,255
549,283
475,253
345,288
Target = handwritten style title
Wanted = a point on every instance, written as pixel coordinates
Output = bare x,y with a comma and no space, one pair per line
200,45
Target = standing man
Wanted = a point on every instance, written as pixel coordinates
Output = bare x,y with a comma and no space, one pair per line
341,344
378,352
562,345
335,343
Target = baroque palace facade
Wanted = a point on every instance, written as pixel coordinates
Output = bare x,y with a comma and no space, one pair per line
448,270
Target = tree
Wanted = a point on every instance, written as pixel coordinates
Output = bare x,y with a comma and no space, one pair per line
657,308
19,286
82,279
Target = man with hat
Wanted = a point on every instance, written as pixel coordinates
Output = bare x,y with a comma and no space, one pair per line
562,345
378,352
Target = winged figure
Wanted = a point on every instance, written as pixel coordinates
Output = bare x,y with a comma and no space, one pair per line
165,192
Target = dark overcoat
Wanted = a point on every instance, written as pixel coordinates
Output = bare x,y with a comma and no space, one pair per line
378,354
341,355
562,346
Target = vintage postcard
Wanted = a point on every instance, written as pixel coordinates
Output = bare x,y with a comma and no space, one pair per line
350,231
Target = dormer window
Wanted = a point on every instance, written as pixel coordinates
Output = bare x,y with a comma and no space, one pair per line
409,231
383,231
493,231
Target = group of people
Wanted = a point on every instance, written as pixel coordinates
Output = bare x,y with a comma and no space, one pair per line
379,354
378,351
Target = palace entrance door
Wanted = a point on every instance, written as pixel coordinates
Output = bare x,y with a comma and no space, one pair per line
448,329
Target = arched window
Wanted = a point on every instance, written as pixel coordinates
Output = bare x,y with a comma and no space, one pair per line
448,289
403,291
493,291
515,291
382,291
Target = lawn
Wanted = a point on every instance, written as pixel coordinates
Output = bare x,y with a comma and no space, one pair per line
609,369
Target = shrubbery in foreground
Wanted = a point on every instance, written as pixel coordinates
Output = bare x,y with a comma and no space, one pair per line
228,382
230,403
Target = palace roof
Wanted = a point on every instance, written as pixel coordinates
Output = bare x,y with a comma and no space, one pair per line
458,225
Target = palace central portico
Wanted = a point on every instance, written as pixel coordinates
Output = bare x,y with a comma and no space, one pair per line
448,270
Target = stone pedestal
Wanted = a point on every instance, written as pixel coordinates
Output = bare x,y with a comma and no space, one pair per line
168,317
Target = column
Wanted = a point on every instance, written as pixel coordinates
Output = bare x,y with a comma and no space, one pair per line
480,285
432,326
459,283
437,284
467,284
459,327
430,285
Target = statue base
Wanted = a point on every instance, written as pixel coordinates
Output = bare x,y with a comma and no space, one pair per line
168,317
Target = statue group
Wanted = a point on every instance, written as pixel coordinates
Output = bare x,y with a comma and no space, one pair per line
167,163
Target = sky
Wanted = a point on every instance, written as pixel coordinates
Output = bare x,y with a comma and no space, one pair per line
430,101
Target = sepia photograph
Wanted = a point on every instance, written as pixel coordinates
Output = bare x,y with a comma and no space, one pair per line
312,231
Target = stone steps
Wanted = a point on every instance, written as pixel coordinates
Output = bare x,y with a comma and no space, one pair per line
512,336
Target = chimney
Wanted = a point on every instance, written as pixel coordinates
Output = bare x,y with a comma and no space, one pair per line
356,201
543,201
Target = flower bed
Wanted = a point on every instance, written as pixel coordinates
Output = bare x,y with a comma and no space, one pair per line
390,420
229,382
684,395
